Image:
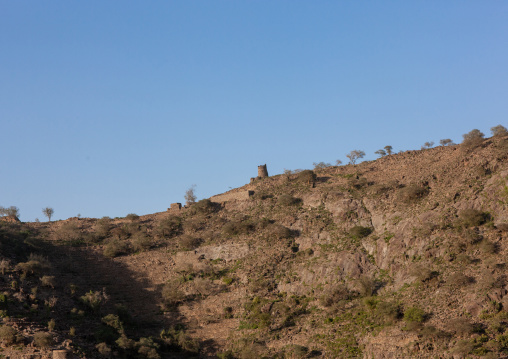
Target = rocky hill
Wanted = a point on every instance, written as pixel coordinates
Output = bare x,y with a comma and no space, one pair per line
394,258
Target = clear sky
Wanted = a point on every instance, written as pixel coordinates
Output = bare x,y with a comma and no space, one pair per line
116,107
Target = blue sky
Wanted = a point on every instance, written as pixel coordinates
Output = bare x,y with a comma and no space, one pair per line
109,108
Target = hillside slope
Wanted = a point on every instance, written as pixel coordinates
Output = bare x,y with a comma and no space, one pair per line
394,258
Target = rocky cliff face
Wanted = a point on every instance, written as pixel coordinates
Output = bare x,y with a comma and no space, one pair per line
394,258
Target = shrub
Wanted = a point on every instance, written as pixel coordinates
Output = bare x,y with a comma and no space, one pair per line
446,142
102,227
148,348
354,156
472,217
172,295
141,242
279,231
103,349
237,228
499,131
366,286
51,325
43,339
460,279
335,295
412,193
114,248
124,342
36,264
133,217
114,322
68,231
169,226
414,314
94,300
204,206
12,211
48,281
288,200
308,177
387,311
427,145
188,242
360,232
7,334
473,138
320,165
5,265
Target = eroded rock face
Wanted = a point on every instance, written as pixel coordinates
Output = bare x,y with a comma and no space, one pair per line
226,252
327,270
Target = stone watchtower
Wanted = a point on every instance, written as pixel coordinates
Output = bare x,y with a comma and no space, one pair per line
262,171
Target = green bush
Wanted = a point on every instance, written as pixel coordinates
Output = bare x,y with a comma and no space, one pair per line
387,311
415,315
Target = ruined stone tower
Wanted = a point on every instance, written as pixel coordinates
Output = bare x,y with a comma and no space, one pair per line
262,171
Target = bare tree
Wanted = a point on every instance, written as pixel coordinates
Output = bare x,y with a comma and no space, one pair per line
48,212
355,156
190,196
388,150
338,163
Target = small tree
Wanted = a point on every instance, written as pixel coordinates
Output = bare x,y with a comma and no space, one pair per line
446,142
428,145
381,153
190,196
48,212
12,211
355,156
338,163
473,138
499,131
388,150
320,165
